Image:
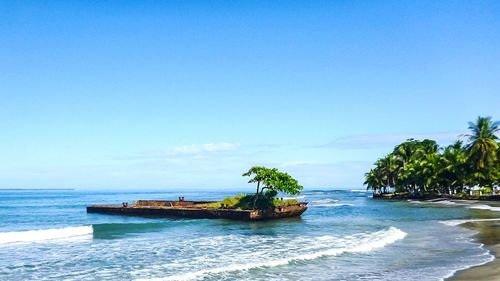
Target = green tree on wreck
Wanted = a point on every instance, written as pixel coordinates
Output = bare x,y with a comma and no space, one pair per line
270,181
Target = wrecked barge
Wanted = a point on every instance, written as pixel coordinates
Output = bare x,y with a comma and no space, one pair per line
197,210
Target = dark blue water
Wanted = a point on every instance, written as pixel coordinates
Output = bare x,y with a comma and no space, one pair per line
47,235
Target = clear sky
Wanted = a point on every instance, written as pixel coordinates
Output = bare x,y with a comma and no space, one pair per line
189,94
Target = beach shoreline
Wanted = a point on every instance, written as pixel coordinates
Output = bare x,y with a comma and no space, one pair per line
488,234
489,271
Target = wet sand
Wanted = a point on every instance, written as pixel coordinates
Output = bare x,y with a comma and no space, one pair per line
489,235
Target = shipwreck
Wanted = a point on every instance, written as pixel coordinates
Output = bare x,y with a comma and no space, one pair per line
197,210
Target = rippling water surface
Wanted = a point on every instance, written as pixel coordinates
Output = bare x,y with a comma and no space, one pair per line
47,235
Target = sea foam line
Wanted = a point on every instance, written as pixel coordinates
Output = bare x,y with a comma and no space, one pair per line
484,207
328,202
44,234
333,205
487,253
387,237
296,197
458,222
467,205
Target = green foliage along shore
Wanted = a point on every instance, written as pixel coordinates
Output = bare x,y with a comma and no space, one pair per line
423,167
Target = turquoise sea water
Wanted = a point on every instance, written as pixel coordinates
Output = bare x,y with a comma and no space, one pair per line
47,235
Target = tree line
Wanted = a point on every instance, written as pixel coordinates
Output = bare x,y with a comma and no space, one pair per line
422,167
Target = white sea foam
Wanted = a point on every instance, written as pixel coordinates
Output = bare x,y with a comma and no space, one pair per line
359,190
322,246
336,205
329,203
468,205
458,222
446,202
296,197
440,201
477,261
44,234
322,201
484,207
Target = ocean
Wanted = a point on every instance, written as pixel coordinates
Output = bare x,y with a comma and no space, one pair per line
344,235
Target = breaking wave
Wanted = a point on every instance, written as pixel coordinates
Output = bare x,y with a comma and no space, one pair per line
328,203
313,248
44,234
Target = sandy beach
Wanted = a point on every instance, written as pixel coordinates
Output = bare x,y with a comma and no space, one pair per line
489,235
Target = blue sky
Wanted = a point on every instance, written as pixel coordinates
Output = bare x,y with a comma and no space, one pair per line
189,94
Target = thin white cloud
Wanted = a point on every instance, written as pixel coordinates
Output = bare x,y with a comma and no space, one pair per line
182,152
298,163
370,141
341,174
199,149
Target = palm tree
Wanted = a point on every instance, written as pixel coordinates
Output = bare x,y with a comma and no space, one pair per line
390,169
409,177
482,148
405,151
454,172
496,169
430,168
428,146
404,154
373,180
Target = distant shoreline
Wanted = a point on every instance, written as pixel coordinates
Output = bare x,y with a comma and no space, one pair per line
406,196
35,189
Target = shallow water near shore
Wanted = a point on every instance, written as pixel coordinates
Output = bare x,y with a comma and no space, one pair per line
47,235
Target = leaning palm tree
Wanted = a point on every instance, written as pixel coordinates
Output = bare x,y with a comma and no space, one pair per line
482,148
373,181
388,168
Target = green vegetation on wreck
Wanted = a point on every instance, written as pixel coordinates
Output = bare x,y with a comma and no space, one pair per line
246,202
269,182
422,168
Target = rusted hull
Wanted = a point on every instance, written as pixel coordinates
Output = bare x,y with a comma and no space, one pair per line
201,213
